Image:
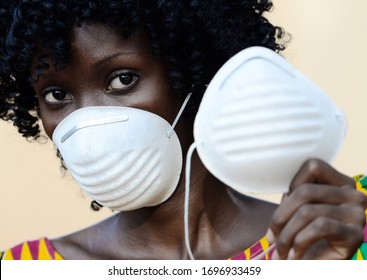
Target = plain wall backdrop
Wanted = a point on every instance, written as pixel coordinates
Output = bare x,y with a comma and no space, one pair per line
329,45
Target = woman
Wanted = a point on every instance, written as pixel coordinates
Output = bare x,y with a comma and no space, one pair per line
66,60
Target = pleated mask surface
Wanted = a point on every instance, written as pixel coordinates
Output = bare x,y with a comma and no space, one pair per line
260,119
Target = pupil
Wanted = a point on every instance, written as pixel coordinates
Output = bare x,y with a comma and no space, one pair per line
59,95
126,79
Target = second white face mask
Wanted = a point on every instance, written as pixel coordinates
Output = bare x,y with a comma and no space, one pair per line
260,119
122,157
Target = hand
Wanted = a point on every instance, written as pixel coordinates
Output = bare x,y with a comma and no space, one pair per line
321,217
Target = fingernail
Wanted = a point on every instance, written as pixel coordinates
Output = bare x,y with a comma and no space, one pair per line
291,254
270,236
275,255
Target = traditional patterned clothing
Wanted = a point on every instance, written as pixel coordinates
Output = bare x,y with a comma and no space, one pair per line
32,250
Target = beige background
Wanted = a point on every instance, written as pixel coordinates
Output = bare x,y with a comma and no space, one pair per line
329,45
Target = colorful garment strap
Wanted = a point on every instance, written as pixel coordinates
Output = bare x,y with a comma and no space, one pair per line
32,250
255,251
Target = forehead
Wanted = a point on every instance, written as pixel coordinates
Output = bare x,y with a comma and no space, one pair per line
97,40
91,43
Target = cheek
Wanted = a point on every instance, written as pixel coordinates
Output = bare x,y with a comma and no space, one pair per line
50,120
49,126
155,96
163,101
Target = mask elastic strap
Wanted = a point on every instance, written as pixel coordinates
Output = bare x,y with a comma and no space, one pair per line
187,197
170,131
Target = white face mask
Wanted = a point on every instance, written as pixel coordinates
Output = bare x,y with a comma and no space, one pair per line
260,119
124,158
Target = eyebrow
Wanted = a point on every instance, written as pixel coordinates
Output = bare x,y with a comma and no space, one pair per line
97,64
110,57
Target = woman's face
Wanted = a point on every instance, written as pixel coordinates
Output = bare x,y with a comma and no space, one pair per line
105,70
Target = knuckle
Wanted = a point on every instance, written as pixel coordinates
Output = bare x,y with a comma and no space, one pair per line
321,224
356,235
362,198
303,193
354,215
313,165
277,223
305,211
361,217
349,183
359,198
299,244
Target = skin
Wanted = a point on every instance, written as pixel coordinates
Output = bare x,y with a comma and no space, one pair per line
322,204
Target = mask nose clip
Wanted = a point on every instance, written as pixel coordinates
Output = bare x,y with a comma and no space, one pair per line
86,124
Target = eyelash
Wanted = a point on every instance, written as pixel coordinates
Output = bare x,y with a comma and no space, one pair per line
51,90
132,80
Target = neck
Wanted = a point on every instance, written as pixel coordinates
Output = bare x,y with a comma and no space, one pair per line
214,212
221,224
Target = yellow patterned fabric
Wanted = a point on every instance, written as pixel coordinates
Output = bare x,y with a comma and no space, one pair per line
32,250
361,185
258,251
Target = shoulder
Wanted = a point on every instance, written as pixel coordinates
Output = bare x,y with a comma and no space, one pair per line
87,243
40,249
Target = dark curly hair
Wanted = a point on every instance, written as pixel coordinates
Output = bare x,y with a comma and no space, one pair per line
192,37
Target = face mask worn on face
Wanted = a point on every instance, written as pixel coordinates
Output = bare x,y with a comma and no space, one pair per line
259,121
124,158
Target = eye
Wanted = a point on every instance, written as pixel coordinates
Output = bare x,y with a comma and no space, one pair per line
122,81
55,96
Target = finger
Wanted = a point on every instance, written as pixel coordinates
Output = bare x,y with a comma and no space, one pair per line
314,194
319,172
345,214
326,238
